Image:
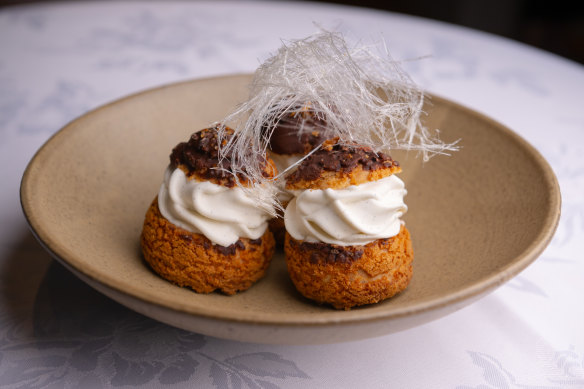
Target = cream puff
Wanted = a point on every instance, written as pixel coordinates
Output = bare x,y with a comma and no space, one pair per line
204,231
346,244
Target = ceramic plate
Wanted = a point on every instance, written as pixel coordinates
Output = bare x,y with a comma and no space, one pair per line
477,218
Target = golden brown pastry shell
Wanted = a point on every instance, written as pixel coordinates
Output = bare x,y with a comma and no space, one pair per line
382,270
192,260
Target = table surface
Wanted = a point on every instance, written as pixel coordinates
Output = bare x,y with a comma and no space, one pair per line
60,60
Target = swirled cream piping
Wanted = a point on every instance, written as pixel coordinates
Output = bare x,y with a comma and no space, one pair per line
222,214
355,215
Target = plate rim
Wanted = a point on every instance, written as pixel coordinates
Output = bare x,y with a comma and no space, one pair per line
484,286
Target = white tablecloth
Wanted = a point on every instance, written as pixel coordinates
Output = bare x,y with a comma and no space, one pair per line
60,60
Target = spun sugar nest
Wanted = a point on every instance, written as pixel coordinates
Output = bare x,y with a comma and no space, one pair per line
361,91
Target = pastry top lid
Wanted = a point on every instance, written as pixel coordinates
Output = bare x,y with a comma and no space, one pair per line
199,158
297,131
336,165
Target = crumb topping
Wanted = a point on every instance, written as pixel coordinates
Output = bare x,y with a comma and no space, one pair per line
340,158
199,158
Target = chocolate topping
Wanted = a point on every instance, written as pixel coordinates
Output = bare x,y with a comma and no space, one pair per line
200,157
231,249
328,253
298,132
335,157
225,250
256,242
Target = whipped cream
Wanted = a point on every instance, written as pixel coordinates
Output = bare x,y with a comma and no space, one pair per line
356,215
222,214
283,162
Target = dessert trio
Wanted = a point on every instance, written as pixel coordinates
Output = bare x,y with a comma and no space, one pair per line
343,239
304,169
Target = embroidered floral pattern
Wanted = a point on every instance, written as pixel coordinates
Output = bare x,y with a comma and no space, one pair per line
86,338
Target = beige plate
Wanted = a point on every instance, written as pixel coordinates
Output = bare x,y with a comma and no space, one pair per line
477,218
